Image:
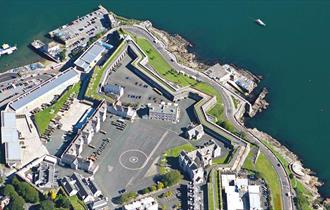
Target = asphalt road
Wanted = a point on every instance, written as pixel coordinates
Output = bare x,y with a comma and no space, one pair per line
287,203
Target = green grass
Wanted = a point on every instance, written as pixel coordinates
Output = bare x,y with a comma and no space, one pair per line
77,204
249,160
235,101
161,66
173,153
268,173
222,159
303,195
93,85
210,200
43,118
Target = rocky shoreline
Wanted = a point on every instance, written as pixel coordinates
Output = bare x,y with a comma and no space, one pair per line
179,46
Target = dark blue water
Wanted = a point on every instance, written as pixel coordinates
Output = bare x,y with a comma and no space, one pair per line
292,53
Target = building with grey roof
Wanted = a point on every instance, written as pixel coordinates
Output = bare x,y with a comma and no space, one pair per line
115,91
164,111
122,111
10,138
195,132
71,155
45,92
85,188
89,58
194,162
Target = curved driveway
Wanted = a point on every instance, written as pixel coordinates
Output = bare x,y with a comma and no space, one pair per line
287,202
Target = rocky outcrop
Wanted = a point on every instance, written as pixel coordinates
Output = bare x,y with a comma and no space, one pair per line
310,181
177,45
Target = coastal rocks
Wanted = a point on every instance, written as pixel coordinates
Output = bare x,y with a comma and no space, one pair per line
310,182
177,45
260,103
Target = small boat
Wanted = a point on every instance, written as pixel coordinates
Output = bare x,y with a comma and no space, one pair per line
7,50
260,22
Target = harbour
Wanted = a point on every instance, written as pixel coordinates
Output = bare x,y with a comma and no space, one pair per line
279,64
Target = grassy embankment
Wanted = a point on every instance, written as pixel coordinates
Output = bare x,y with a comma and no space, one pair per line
164,69
43,118
171,154
303,196
214,191
93,85
76,203
265,170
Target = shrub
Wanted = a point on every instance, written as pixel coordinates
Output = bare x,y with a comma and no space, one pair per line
171,178
9,190
127,197
46,205
145,190
160,185
62,202
153,188
16,203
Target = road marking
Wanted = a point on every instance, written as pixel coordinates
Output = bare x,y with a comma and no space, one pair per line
148,158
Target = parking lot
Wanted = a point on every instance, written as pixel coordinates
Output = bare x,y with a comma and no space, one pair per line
136,90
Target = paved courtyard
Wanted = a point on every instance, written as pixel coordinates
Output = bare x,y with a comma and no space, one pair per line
136,90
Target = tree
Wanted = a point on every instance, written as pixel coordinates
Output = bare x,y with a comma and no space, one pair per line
127,197
52,195
145,190
46,205
160,185
62,55
16,203
31,194
15,182
9,190
153,188
62,202
171,178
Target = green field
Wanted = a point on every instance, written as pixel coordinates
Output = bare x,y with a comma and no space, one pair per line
173,153
77,204
43,118
268,173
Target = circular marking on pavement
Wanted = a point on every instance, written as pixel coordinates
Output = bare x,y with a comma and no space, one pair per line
132,159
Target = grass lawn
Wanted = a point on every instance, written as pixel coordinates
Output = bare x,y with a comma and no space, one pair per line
43,118
268,173
173,153
302,194
161,66
249,161
210,200
77,204
164,69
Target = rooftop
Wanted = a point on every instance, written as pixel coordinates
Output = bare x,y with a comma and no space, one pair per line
43,88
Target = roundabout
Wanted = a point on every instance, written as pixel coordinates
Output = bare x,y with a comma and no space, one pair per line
132,159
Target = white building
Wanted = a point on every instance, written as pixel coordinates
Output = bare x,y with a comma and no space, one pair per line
195,132
148,203
45,92
167,112
10,139
116,91
122,111
193,163
89,58
85,188
240,195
